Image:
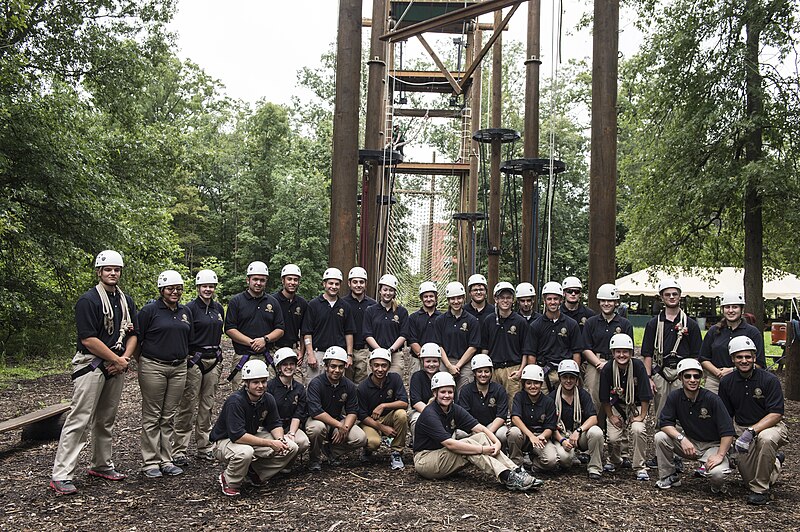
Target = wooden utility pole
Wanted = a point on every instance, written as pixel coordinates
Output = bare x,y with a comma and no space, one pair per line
792,364
493,249
603,169
530,181
470,199
344,172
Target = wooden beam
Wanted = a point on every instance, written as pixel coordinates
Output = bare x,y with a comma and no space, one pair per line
483,26
496,35
430,113
456,87
472,11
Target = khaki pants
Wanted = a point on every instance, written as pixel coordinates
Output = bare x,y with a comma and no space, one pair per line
413,416
162,389
512,386
591,383
398,420
712,383
636,434
551,380
590,440
667,447
463,378
442,463
759,467
359,371
663,387
317,432
301,439
544,459
413,362
95,401
194,410
308,373
239,457
501,435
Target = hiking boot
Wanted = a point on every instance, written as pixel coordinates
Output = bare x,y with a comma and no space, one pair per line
652,463
521,481
171,470
253,478
206,455
366,456
63,487
180,461
315,466
721,489
672,481
584,458
396,462
678,463
227,489
642,475
758,499
108,474
594,475
609,468
626,464
780,456
152,473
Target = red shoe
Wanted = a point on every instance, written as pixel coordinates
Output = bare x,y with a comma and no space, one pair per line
108,474
63,487
227,489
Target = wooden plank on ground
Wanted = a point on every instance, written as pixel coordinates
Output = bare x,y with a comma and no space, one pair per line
33,417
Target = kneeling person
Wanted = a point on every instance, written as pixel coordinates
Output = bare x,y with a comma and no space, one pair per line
437,454
419,390
382,403
533,415
239,444
290,396
485,400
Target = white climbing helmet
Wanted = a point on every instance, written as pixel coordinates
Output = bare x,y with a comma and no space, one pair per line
441,379
206,277
108,257
335,352
481,361
569,366
740,343
388,280
290,269
427,286
380,353
430,350
257,268
608,292
669,282
254,369
621,341
284,353
503,285
454,289
552,288
357,272
731,298
476,278
688,363
572,282
332,273
525,290
533,372
169,278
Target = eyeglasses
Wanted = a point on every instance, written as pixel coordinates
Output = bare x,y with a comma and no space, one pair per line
692,376
743,357
572,291
672,295
476,289
173,289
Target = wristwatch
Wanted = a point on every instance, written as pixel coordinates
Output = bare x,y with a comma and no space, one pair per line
680,438
579,430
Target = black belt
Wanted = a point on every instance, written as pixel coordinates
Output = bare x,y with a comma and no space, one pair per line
173,363
96,363
501,365
362,346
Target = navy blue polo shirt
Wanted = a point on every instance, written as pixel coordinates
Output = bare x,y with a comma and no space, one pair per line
293,311
90,322
749,399
420,387
538,416
689,346
487,309
253,317
484,408
435,426
530,319
703,420
291,401
506,339
456,335
207,321
715,344
641,383
385,325
328,325
597,333
419,327
164,333
581,314
240,416
371,395
568,410
357,309
338,400
554,341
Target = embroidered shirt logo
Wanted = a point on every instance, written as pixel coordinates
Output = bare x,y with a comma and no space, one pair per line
704,413
464,327
512,329
341,313
396,318
184,318
492,402
618,330
563,332
269,308
758,394
298,311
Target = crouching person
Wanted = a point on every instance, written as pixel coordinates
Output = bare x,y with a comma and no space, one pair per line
533,415
437,454
485,400
707,430
576,425
245,450
420,386
290,396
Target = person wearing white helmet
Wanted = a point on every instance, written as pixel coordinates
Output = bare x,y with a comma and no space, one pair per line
458,334
526,302
555,335
107,329
254,322
290,396
714,355
385,323
506,338
668,338
293,307
438,455
382,404
478,304
204,367
332,402
625,394
358,301
248,435
420,329
328,322
576,421
419,388
485,400
754,398
533,416
165,329
707,430
597,333
573,304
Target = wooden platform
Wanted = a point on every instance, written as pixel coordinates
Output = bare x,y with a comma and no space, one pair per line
34,417
422,81
414,168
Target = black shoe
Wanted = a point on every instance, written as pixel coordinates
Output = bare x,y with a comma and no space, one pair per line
758,499
781,457
584,458
180,461
652,463
626,464
678,463
595,476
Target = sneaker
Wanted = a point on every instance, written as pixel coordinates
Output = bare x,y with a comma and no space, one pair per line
672,481
758,499
521,481
652,463
253,478
180,461
678,463
396,462
171,470
314,466
366,456
642,475
227,489
722,489
609,468
152,473
594,475
108,474
63,487
781,456
626,464
584,458
206,455
700,472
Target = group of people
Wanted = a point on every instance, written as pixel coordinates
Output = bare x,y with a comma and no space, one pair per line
511,391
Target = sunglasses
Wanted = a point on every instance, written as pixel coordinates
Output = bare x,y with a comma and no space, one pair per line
672,295
572,291
692,376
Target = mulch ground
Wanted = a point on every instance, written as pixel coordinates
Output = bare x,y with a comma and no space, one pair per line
353,496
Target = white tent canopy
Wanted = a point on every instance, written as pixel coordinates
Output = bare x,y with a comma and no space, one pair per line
707,282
